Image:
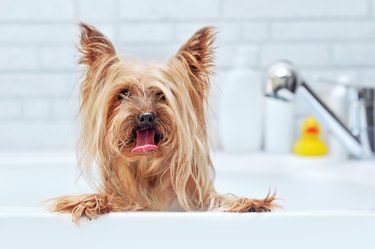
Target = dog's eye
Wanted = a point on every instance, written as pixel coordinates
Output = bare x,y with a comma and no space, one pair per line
160,96
124,94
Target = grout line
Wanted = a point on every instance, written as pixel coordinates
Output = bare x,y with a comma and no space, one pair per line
175,41
76,11
117,22
370,8
163,20
221,9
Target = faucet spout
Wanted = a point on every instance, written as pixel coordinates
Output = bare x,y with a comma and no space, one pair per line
329,120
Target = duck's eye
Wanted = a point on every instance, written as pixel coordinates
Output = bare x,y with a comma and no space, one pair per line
124,94
160,96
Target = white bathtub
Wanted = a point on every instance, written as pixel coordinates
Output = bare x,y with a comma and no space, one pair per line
327,204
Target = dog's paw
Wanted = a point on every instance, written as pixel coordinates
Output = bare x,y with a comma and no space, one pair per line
265,205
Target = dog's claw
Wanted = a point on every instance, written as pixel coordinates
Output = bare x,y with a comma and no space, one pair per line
261,209
252,210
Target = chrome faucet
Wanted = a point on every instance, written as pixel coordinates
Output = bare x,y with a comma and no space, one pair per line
283,82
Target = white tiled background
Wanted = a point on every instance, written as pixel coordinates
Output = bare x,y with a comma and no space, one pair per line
39,76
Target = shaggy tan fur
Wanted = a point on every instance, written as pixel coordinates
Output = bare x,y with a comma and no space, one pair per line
179,174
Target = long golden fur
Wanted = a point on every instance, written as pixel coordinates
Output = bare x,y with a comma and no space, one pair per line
176,176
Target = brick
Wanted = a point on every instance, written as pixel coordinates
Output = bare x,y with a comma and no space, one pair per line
148,52
9,109
354,54
73,84
254,31
367,77
237,56
90,10
65,109
299,54
226,32
59,57
18,58
144,10
170,10
145,33
36,135
194,9
36,10
329,76
32,85
37,33
36,108
327,30
250,9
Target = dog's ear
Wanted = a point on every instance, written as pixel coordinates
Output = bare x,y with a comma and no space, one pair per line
94,45
197,53
97,55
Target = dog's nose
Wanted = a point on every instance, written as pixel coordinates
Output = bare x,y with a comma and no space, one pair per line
146,118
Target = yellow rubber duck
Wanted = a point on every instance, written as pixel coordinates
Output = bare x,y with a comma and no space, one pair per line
310,144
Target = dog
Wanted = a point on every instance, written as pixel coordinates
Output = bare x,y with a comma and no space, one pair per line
143,125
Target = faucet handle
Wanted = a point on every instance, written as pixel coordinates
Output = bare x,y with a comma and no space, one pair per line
282,79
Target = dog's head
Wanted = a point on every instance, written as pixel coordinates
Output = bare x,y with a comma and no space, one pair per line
135,109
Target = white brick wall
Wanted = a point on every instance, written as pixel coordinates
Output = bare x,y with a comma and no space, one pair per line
39,77
37,10
252,9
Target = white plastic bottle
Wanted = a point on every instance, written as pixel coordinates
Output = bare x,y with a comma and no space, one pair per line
241,109
279,125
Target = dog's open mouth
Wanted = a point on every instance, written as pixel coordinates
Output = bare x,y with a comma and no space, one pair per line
145,140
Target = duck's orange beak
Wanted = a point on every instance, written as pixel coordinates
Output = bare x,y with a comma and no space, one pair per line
312,130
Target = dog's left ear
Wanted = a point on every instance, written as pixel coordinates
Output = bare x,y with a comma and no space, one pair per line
94,45
197,53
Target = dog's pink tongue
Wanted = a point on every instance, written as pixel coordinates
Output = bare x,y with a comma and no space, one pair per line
145,141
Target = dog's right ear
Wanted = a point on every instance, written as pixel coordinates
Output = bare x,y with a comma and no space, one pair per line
94,45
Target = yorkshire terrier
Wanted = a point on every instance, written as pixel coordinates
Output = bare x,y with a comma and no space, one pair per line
144,126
